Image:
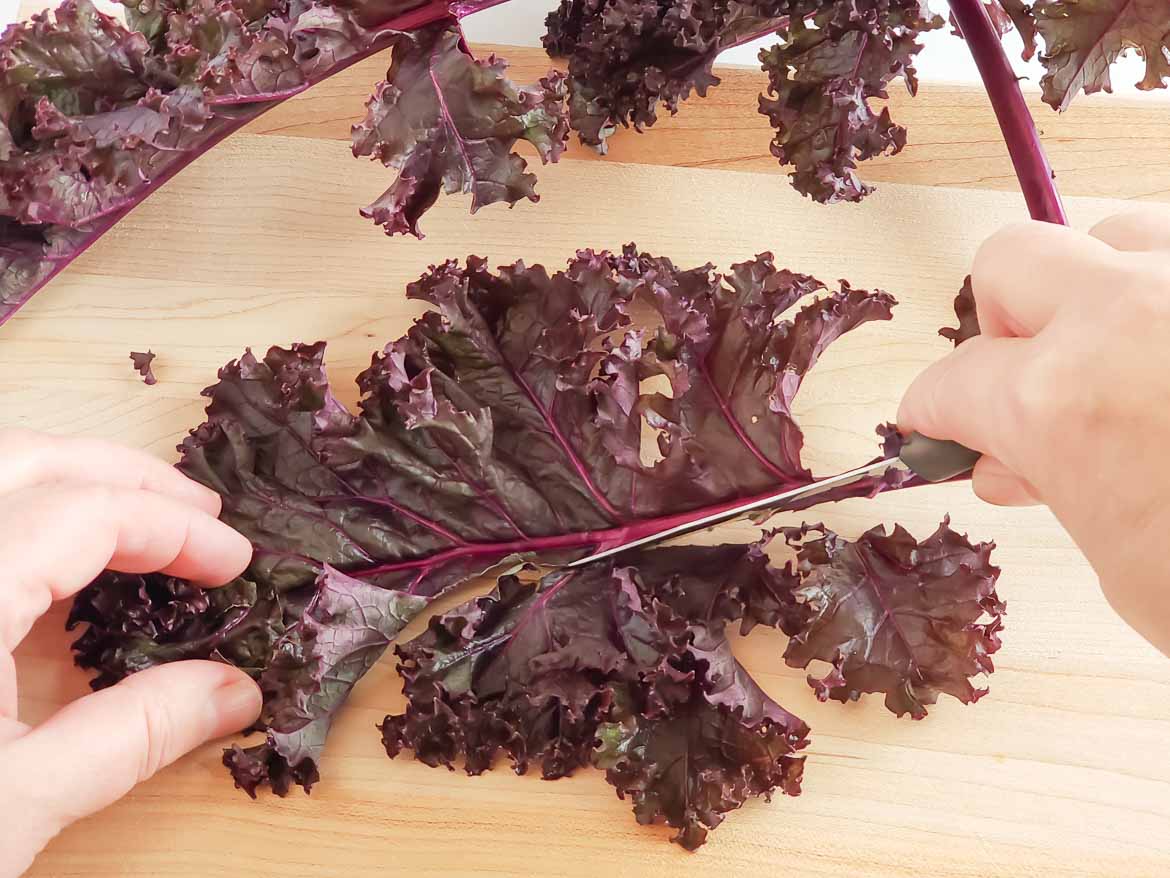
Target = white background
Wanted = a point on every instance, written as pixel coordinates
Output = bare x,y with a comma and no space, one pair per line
945,58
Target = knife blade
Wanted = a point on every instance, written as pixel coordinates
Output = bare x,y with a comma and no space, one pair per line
934,460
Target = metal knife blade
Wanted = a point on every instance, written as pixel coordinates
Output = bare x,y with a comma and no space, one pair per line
935,460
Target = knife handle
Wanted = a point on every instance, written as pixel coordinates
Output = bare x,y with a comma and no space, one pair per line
937,460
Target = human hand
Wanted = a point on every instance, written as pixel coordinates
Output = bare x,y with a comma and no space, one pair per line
70,508
1067,394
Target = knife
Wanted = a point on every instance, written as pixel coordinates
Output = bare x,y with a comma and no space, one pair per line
934,460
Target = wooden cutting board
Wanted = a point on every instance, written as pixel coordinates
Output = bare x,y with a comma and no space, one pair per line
1063,769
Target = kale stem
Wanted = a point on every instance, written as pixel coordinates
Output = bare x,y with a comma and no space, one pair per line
1015,121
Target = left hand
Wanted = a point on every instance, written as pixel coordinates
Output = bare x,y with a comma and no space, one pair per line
70,508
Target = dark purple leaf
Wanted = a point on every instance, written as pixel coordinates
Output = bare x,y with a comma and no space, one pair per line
967,314
892,615
1083,39
142,365
590,666
627,57
449,122
506,424
95,115
821,80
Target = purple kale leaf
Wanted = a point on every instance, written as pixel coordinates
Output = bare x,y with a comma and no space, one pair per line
507,424
591,666
821,80
1083,39
627,57
449,122
627,665
892,615
339,635
95,114
503,431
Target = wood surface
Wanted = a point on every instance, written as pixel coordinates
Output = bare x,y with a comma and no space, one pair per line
1063,769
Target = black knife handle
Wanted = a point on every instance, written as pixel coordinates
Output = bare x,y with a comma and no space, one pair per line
937,460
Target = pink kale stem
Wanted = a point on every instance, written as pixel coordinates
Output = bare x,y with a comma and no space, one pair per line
596,540
1015,121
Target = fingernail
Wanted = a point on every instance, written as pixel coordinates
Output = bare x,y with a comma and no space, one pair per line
236,705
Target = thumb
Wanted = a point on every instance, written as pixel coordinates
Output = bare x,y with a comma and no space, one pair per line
94,750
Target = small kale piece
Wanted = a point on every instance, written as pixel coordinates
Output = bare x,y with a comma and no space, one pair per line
967,314
142,365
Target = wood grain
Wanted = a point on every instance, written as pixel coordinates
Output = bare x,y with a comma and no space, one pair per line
1062,770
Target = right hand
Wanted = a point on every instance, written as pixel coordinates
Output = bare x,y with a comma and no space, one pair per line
1067,394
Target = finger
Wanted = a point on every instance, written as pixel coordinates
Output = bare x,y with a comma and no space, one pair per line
962,396
28,458
11,729
96,749
1024,273
1143,228
996,484
8,693
55,540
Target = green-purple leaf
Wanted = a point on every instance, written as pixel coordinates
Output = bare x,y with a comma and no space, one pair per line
342,631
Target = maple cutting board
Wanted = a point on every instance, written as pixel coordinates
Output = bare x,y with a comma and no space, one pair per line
1064,769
